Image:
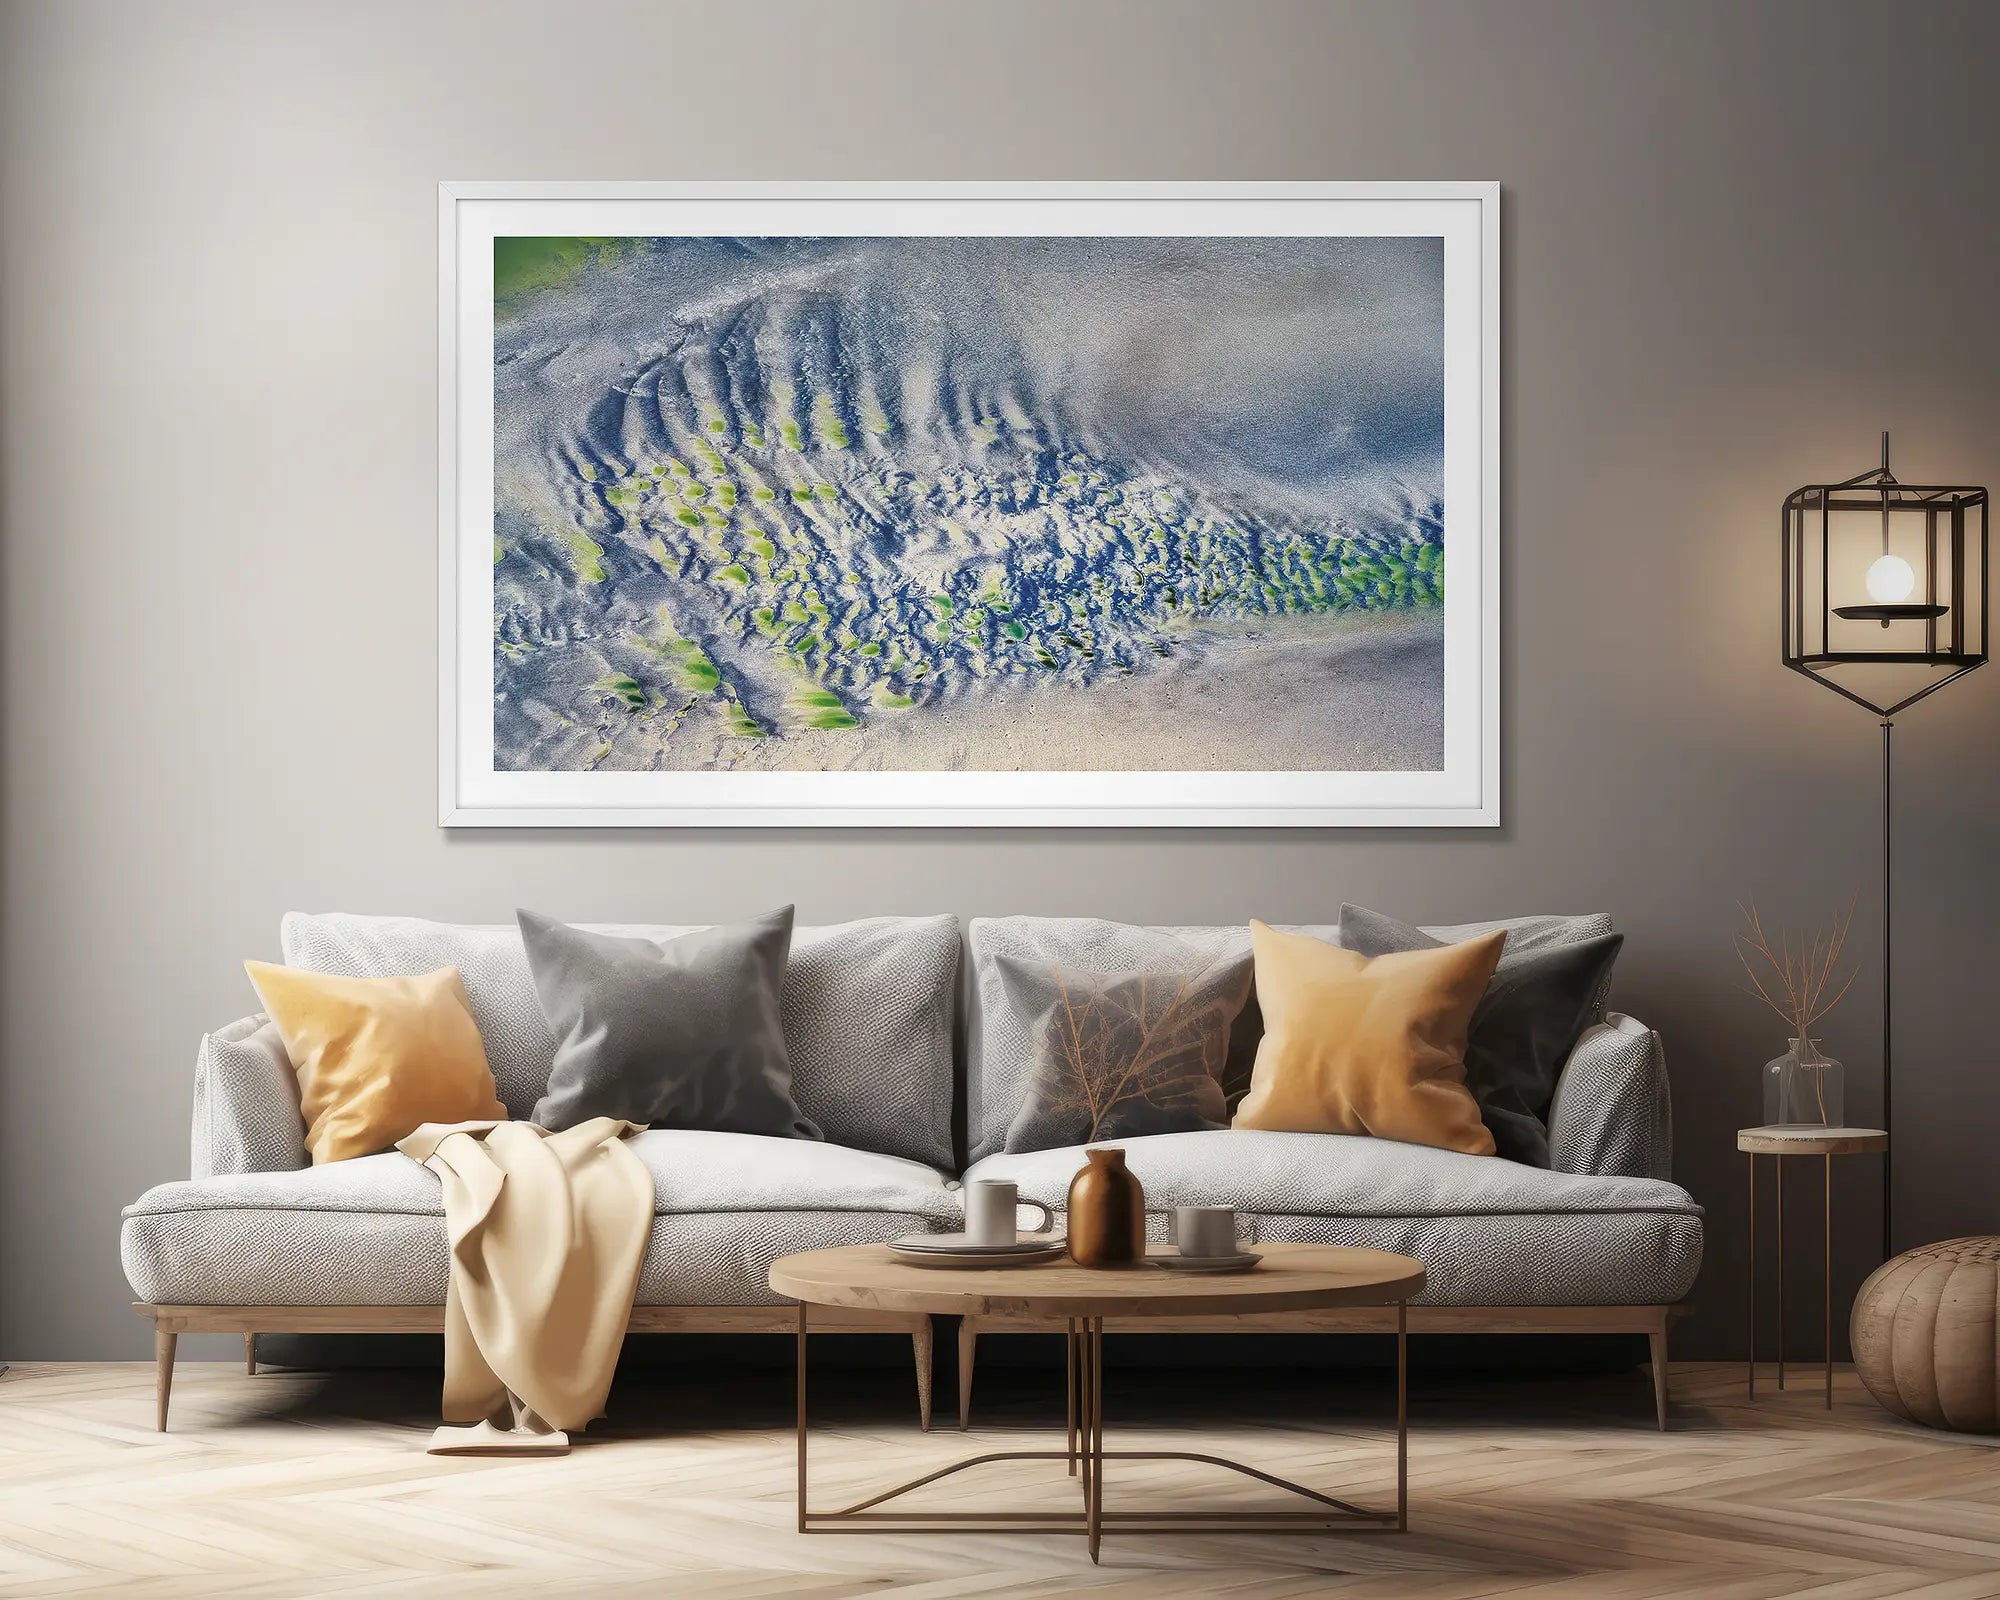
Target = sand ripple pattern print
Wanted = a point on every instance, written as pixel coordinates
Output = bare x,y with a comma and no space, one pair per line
977,504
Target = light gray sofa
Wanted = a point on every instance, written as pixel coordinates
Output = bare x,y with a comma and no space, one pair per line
259,1241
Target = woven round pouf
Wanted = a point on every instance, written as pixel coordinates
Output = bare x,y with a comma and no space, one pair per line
1923,1335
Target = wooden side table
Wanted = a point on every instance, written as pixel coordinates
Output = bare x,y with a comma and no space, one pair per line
1782,1141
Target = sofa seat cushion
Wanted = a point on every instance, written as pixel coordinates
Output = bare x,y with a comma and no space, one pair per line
1489,1232
371,1231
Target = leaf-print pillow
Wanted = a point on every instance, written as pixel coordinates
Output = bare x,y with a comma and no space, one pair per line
1118,1055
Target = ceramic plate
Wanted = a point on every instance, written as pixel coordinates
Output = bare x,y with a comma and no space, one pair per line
1040,1256
1173,1261
945,1244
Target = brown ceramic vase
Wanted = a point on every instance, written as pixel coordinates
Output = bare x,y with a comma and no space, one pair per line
1107,1213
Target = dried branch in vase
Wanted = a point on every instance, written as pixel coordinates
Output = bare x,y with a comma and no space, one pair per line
1799,978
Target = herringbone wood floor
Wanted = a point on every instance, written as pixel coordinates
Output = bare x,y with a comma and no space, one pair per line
289,1484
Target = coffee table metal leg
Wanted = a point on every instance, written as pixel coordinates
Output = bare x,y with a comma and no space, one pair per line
1079,1447
802,1416
1096,1364
1086,1411
1070,1383
1402,1416
1085,1455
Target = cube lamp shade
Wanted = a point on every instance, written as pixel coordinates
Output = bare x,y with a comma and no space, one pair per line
1885,575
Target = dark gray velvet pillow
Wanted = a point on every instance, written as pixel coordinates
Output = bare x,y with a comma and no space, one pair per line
1533,1012
682,1034
1117,1055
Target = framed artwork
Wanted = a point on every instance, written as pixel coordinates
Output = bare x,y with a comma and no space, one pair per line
969,504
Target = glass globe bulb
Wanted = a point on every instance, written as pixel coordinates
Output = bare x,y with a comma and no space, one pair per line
1890,580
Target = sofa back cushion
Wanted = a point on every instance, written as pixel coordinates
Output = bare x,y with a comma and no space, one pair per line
866,1009
999,1042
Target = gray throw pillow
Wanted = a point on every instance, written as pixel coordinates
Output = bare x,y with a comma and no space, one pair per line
678,1034
1535,1009
1119,1055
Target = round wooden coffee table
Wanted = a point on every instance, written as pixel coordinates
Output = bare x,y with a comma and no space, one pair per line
1291,1277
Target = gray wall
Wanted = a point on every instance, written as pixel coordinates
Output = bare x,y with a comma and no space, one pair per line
1734,250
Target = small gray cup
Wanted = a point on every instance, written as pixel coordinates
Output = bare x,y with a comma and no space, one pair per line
1206,1230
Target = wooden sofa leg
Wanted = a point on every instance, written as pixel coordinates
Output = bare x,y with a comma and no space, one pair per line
968,1344
920,1336
163,1374
1657,1339
250,1354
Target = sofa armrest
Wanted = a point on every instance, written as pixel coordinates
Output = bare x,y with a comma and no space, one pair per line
246,1103
1613,1116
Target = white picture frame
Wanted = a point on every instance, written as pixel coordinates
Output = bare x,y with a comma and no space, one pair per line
1466,793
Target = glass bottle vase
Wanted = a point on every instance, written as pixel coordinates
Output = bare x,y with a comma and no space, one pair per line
1803,1088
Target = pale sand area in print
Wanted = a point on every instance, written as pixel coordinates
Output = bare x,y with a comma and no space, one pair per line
1360,693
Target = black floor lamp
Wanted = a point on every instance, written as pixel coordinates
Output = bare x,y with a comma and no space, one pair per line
1885,602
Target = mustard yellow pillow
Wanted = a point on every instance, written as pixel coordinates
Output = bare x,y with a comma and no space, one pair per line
378,1057
1354,1044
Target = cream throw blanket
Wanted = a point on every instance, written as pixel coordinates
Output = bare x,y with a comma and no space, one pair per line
547,1233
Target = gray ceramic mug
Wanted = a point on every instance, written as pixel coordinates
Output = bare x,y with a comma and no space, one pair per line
1204,1231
